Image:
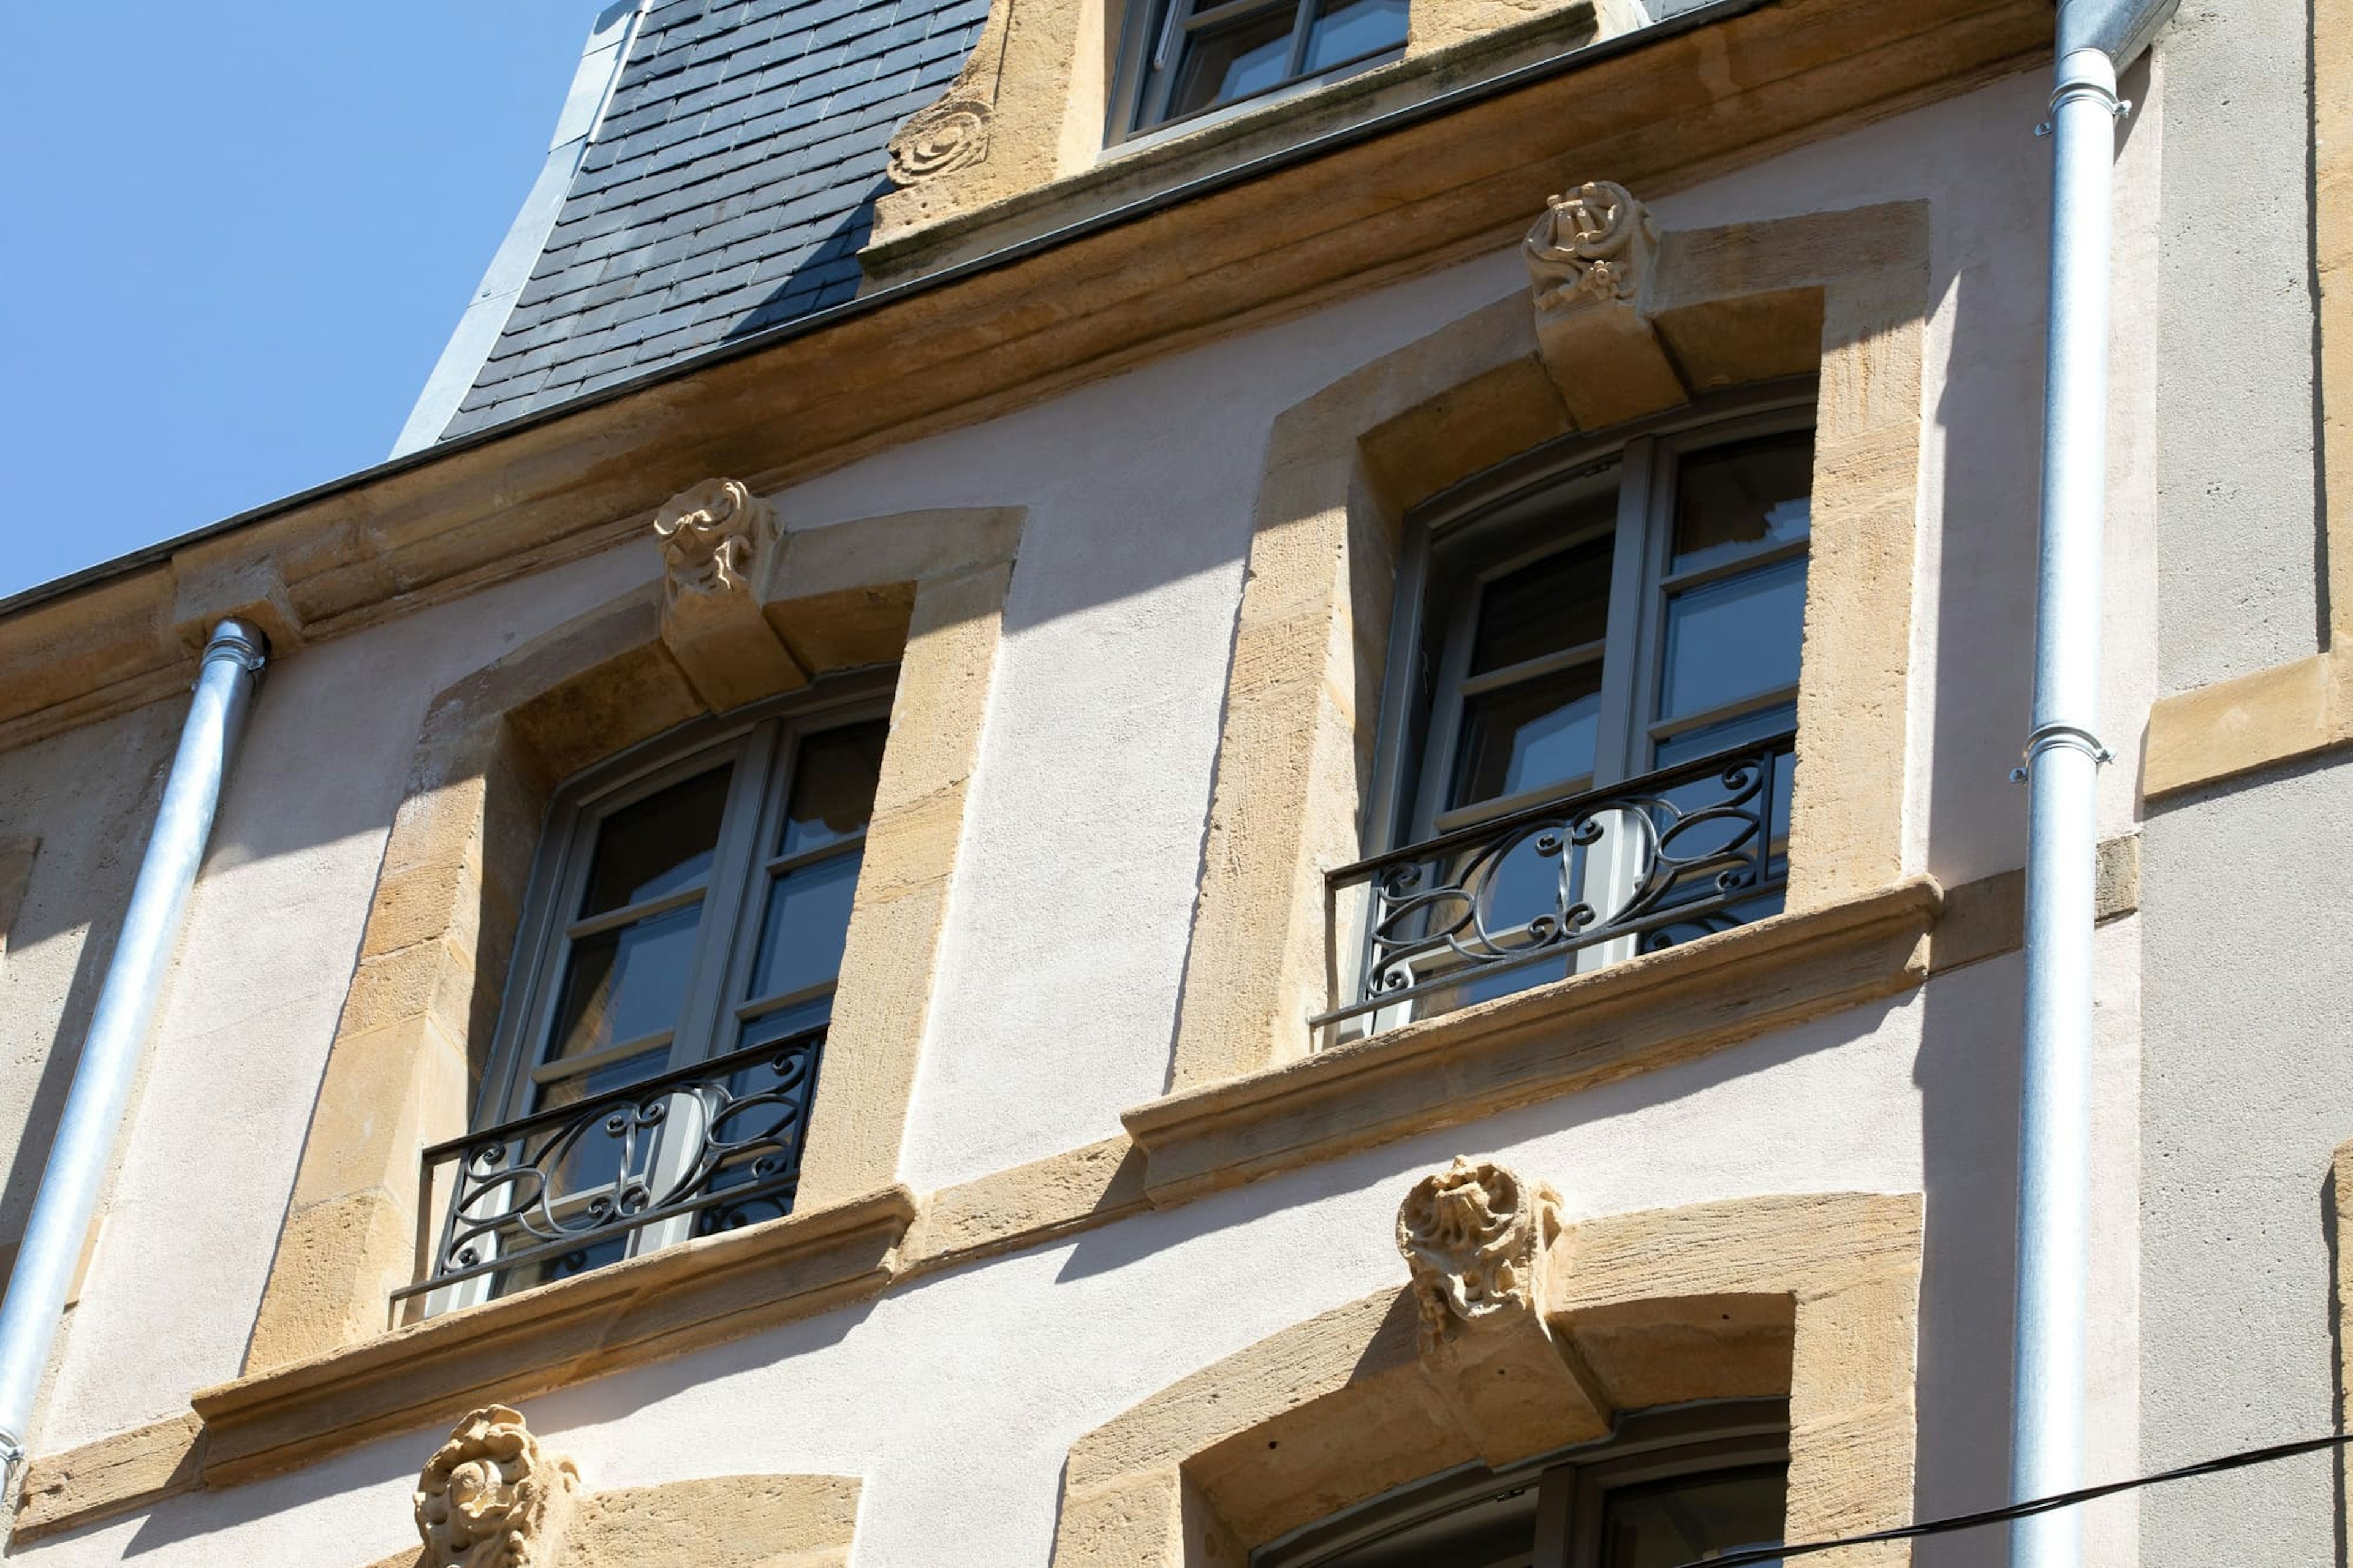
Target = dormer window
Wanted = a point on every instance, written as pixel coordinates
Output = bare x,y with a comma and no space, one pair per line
1187,57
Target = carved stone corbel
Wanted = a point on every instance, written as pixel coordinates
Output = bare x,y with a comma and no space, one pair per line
1481,1242
714,538
491,1497
1590,262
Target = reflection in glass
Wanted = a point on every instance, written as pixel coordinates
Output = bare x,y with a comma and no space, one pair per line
1537,732
802,932
833,787
1668,1523
1344,30
621,985
658,846
1559,602
1733,501
1733,638
1233,60
562,1266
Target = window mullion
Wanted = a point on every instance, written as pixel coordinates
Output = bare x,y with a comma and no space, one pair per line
735,902
1616,754
1300,20
1555,1493
1446,706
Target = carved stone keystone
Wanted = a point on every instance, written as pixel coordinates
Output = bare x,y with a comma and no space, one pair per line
494,1498
715,539
1589,261
1482,1243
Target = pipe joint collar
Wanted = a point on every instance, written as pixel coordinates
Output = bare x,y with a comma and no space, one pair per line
2085,74
240,643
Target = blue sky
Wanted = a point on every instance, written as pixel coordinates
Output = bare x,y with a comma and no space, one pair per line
234,240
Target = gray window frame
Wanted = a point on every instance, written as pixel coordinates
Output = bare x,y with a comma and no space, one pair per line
1494,523
1151,46
1572,1485
761,742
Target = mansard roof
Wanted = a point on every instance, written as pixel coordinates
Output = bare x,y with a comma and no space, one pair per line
727,187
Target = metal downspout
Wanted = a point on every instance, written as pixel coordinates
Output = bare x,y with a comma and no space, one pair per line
84,1144
2064,754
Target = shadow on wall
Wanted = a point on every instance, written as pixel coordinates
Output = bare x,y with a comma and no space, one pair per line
80,882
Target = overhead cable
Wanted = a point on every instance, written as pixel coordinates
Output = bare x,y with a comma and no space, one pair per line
1749,1556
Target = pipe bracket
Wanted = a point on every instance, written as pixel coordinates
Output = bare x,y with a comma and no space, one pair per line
2046,737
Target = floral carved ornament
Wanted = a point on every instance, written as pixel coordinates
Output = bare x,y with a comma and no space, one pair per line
1476,1236
492,1496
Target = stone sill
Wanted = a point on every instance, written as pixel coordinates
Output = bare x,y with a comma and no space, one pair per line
1551,1040
663,1304
1135,170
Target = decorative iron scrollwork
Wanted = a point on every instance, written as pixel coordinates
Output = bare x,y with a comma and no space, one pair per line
1677,854
718,1142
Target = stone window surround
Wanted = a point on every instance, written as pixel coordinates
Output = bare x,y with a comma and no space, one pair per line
922,590
1843,295
1814,1296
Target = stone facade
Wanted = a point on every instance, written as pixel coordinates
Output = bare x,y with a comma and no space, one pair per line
1114,485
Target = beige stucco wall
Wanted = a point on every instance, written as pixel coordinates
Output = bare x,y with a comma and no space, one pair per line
1065,944
1037,1349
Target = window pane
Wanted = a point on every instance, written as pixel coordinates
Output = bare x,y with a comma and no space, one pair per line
659,845
1537,732
1344,30
1673,1523
622,984
833,787
562,1266
595,1159
1730,501
1233,60
801,933
1558,601
1733,638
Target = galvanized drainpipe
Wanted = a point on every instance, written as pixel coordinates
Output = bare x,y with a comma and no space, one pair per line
84,1145
2064,754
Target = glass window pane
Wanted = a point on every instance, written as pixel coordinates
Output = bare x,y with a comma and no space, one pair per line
1233,60
802,931
1558,601
562,1266
1536,732
1668,1523
659,845
1733,638
1731,501
833,787
595,1158
621,984
1344,31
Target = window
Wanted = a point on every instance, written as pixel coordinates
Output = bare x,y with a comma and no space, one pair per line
1589,729
664,1023
1670,1486
1186,58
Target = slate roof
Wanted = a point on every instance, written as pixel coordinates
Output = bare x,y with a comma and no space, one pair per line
728,189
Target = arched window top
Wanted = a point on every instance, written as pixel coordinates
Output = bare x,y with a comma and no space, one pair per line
1667,1487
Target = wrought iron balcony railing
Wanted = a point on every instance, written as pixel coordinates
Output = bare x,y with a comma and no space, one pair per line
710,1147
1565,885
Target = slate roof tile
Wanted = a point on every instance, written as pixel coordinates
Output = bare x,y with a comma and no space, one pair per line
728,189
